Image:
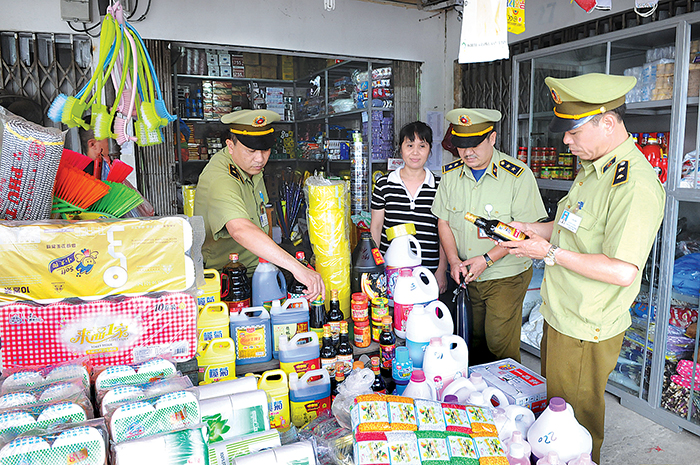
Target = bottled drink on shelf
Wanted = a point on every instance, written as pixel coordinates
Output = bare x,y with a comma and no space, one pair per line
335,316
317,316
235,287
496,230
378,386
345,352
329,356
387,347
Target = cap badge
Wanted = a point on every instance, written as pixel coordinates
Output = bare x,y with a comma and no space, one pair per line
260,121
464,120
555,96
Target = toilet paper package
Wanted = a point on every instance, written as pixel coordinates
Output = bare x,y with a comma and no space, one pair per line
21,378
226,452
91,259
185,446
112,398
110,332
298,453
62,390
17,420
236,414
84,443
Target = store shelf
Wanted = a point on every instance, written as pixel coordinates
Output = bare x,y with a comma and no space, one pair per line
237,79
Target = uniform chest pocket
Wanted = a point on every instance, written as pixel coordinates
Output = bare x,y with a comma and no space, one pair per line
456,218
589,236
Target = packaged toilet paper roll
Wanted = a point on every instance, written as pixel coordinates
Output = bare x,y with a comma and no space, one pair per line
228,387
266,457
186,446
234,415
225,452
297,453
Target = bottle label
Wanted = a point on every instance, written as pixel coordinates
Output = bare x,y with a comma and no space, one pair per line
295,296
401,312
304,412
289,330
209,334
301,367
335,331
235,306
250,342
387,355
346,361
329,365
373,284
378,259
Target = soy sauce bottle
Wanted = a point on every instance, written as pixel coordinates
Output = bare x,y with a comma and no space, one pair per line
235,286
387,347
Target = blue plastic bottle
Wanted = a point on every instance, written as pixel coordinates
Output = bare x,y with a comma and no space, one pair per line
251,331
288,319
401,369
309,396
268,284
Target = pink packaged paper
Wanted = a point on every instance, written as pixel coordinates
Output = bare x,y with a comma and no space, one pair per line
121,332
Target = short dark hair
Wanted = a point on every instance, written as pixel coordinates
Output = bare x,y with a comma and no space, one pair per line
416,128
619,113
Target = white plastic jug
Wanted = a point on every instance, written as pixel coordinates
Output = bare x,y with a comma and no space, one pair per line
583,459
446,359
400,254
424,323
517,437
461,388
512,418
416,286
558,430
477,398
552,458
268,284
495,397
478,381
419,387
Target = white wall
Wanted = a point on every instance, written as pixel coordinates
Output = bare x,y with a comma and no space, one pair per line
355,28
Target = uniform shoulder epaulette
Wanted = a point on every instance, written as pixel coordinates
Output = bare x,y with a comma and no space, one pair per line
452,166
512,168
233,171
621,173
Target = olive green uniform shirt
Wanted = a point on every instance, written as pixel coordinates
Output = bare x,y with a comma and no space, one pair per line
620,202
224,193
509,187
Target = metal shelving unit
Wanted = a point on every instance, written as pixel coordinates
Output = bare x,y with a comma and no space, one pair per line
613,53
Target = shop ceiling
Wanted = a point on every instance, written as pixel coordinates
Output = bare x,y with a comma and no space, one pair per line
428,5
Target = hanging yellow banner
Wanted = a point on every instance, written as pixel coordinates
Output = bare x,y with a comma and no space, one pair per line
516,16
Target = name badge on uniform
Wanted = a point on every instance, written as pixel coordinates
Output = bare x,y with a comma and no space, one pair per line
263,213
570,220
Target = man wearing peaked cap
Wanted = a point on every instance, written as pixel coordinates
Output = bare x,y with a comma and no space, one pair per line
493,185
231,197
596,246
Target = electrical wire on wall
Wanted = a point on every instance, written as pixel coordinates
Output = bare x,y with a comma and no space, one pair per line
87,30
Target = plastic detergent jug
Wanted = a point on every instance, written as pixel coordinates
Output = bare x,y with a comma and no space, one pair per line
414,286
212,322
268,284
516,454
211,291
512,418
251,331
558,430
460,387
418,387
309,395
288,319
495,397
274,382
552,458
400,254
300,354
445,359
216,360
424,323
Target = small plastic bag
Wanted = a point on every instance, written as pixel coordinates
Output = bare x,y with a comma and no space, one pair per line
357,383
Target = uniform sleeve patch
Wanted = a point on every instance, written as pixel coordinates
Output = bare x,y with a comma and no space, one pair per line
512,168
452,166
233,171
621,172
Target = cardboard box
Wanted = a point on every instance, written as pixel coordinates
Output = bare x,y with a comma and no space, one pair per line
521,385
225,70
287,67
212,57
252,59
268,60
252,71
268,72
224,59
213,70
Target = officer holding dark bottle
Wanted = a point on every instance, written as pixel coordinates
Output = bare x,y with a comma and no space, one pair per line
490,184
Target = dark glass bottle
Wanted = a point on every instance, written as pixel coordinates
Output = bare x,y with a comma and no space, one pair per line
338,380
378,385
367,268
345,352
317,316
235,286
329,355
335,316
387,346
497,230
296,289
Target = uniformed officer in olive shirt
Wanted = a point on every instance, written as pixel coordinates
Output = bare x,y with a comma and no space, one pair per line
596,247
493,185
231,197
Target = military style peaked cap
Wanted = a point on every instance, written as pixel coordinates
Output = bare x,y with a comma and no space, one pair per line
578,99
470,126
253,128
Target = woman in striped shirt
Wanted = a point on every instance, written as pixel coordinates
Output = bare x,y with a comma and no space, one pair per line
406,196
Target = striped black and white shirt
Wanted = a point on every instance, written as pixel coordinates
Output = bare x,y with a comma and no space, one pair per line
390,194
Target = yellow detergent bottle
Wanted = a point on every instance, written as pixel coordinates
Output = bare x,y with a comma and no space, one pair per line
211,291
216,360
274,382
213,322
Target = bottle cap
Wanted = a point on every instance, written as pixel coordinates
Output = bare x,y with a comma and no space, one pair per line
451,399
406,272
516,450
418,376
400,230
300,255
375,361
334,294
233,257
343,326
262,260
401,354
359,297
435,341
557,404
358,365
386,320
